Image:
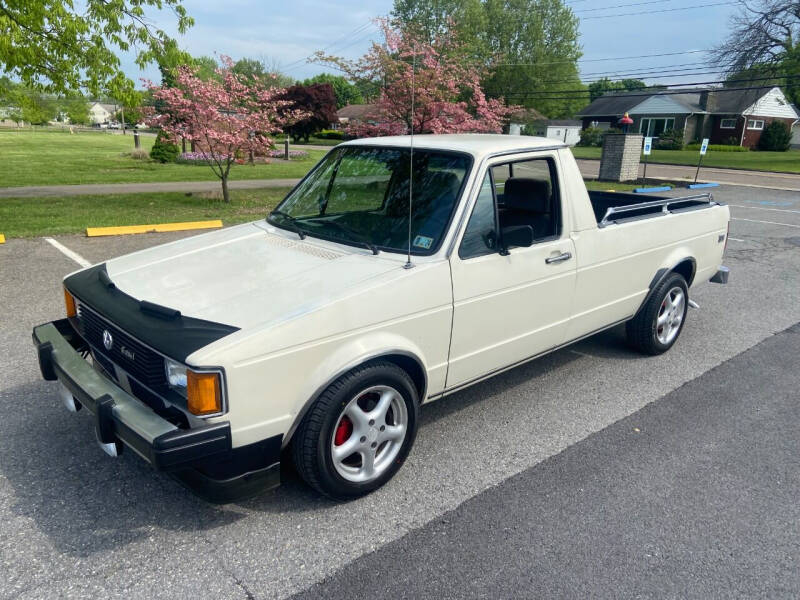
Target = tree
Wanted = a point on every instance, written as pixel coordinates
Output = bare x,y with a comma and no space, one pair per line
346,93
529,47
318,102
445,85
61,46
262,68
76,109
225,118
764,39
605,85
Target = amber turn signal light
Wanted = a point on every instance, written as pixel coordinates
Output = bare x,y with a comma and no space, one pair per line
69,301
203,393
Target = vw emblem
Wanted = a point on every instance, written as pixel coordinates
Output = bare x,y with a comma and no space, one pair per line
108,341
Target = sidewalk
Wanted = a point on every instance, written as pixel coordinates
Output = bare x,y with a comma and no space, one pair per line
589,168
759,179
102,189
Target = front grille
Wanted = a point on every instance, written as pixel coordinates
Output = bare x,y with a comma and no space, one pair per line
134,357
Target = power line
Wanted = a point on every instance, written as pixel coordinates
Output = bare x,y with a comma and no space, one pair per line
639,93
566,61
357,31
652,12
585,10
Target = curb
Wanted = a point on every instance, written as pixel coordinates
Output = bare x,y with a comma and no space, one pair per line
647,190
159,228
2,239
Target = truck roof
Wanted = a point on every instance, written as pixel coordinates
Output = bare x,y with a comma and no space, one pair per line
477,144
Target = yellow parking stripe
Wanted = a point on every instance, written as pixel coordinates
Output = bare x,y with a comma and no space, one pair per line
2,239
159,228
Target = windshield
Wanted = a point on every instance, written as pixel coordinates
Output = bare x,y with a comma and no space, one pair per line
359,195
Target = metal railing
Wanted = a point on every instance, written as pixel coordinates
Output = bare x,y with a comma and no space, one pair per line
662,203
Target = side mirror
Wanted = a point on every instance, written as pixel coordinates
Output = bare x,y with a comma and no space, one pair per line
517,236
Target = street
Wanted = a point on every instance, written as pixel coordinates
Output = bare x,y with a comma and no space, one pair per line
593,471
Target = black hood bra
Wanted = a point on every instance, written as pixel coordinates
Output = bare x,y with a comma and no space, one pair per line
162,328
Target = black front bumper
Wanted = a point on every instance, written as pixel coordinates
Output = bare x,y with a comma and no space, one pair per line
201,457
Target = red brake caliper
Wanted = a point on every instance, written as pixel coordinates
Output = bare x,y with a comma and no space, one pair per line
343,431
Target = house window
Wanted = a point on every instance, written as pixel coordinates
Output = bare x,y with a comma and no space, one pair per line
727,124
655,127
755,124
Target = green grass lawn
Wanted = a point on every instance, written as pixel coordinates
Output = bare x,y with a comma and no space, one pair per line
55,157
28,217
756,161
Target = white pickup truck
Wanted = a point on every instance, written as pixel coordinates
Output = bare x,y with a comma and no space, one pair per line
387,278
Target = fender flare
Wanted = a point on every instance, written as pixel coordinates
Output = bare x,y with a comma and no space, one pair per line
662,274
287,437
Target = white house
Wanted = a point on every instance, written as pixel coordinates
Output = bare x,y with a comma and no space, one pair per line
100,112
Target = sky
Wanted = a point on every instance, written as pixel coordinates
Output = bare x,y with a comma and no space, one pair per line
286,33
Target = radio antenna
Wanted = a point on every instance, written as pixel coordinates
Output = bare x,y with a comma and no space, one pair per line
409,264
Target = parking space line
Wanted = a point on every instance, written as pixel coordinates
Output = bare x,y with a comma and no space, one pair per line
583,354
735,239
67,252
765,222
763,208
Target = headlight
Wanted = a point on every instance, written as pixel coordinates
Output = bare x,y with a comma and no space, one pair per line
176,375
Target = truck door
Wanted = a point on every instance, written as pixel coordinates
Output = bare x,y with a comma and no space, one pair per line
510,305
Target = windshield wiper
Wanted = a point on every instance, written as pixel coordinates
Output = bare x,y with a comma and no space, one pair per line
359,238
291,221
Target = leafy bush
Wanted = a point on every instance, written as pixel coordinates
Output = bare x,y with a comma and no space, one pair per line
139,154
671,139
163,150
775,137
695,147
591,136
330,134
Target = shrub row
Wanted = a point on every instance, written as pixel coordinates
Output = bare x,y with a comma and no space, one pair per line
695,147
330,134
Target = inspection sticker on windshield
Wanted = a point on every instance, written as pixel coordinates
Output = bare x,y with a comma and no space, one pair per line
423,241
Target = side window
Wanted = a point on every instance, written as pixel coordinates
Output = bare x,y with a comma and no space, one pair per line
480,237
531,197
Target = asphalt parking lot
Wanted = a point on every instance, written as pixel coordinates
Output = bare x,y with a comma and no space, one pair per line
76,523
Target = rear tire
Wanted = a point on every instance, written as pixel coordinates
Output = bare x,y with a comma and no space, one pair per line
656,327
359,431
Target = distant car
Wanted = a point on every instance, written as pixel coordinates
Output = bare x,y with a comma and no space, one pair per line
100,125
114,125
318,332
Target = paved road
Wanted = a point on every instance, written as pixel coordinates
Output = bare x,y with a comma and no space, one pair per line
43,191
77,524
589,168
759,179
694,496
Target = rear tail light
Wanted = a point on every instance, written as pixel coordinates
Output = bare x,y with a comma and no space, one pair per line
69,302
203,393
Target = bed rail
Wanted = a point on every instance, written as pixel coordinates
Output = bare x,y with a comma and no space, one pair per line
663,203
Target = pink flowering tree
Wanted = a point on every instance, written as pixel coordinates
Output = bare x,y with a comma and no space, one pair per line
448,97
225,118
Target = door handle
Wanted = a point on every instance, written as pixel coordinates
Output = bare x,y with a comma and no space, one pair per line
557,259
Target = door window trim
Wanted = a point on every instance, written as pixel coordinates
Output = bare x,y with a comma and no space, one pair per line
496,161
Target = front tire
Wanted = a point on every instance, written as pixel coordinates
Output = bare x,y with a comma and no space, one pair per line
358,433
656,327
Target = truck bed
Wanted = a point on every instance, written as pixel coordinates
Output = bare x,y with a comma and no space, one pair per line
616,207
